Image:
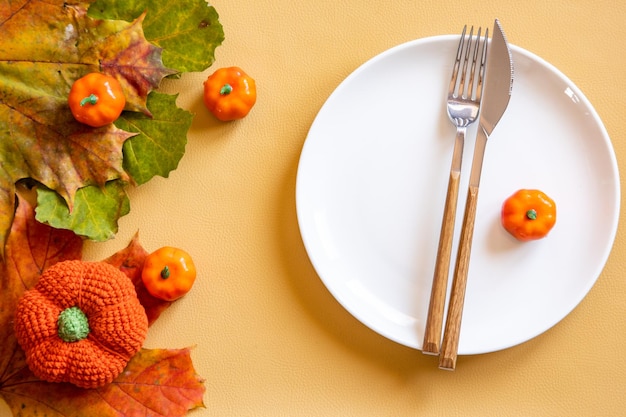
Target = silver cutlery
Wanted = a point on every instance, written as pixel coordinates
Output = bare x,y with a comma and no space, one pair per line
463,104
498,87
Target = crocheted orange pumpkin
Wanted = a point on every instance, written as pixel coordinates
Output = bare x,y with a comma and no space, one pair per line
81,323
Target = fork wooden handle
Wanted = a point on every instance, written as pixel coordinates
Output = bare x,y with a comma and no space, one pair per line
434,320
450,344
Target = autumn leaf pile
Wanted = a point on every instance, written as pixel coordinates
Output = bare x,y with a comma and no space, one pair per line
81,173
159,382
77,176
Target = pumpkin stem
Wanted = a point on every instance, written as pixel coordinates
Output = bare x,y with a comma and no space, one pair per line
91,99
73,325
531,214
165,272
226,89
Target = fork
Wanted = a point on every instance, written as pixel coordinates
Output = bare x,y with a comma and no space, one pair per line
463,106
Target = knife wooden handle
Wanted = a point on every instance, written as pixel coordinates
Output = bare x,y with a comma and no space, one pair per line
434,320
450,344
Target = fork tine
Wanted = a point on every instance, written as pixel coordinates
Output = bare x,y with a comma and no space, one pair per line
470,85
457,63
462,87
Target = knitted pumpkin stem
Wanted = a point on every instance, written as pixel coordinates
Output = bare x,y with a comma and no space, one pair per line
73,325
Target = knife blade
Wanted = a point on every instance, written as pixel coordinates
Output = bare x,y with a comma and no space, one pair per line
496,97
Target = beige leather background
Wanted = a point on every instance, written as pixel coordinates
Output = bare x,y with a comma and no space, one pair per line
270,339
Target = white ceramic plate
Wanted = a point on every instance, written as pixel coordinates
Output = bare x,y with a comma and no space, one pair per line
371,187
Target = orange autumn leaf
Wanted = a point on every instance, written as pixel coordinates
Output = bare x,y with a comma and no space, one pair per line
130,261
161,380
31,248
158,382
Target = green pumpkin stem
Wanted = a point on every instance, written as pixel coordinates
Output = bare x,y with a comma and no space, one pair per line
226,89
92,99
165,272
73,325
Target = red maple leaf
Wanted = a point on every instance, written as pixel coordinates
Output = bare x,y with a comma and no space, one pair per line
130,261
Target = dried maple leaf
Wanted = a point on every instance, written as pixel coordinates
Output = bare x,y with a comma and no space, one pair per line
44,47
130,261
191,23
155,383
156,149
31,248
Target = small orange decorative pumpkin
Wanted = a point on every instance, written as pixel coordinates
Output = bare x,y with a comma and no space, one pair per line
528,215
81,323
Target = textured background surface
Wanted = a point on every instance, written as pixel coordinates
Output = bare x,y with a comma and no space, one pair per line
271,340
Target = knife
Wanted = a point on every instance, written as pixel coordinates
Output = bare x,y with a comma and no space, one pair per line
496,96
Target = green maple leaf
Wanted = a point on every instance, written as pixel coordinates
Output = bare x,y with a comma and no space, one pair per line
97,221
187,30
44,47
151,152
